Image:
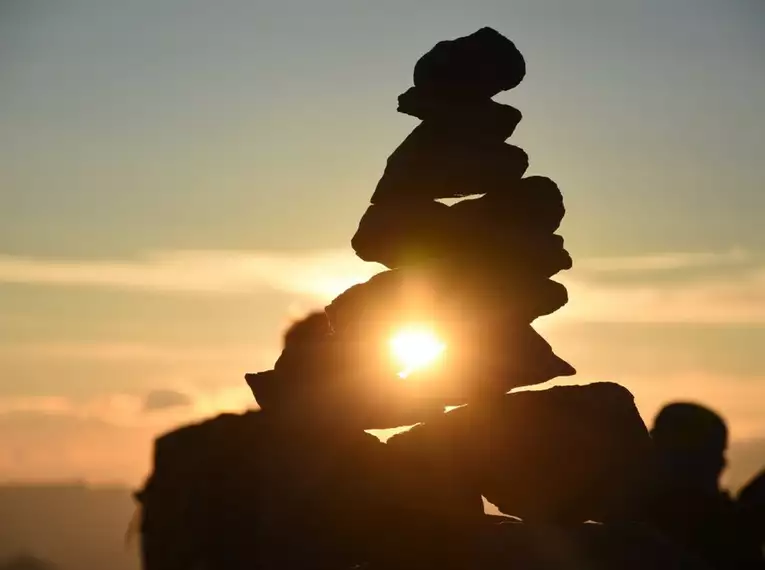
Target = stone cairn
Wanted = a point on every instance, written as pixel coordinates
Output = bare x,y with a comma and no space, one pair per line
301,484
486,261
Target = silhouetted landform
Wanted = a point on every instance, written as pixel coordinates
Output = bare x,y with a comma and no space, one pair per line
300,484
72,526
688,504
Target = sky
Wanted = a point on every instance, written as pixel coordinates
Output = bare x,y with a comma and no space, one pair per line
181,179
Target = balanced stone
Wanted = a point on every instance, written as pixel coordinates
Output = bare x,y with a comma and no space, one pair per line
431,163
477,66
491,120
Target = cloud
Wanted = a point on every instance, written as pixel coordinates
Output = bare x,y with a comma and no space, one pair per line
708,300
321,274
35,404
132,352
665,261
164,399
713,294
113,408
107,438
39,446
130,409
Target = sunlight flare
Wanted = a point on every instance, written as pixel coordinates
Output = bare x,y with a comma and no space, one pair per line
415,348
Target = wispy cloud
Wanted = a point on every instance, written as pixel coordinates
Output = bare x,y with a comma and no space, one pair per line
111,408
102,439
129,409
710,300
665,261
164,399
126,352
41,404
321,274
714,295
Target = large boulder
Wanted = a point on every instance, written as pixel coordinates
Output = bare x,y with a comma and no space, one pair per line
559,456
251,490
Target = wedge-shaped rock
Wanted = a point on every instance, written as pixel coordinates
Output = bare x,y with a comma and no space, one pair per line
487,119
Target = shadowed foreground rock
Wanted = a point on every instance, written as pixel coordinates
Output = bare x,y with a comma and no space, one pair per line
300,484
564,455
253,489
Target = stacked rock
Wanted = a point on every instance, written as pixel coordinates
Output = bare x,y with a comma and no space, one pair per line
485,262
299,484
480,268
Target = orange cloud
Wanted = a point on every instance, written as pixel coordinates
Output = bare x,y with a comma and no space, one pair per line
321,274
713,297
666,261
739,299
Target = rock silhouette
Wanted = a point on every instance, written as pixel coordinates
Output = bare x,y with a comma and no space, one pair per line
597,427
687,503
250,490
477,66
299,484
498,250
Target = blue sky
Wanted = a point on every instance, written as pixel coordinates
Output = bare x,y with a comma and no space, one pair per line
178,179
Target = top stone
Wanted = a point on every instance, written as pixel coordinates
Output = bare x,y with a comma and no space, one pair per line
473,67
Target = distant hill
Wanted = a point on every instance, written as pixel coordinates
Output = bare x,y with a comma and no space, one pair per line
72,526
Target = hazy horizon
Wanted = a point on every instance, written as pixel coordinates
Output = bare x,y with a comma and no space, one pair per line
179,180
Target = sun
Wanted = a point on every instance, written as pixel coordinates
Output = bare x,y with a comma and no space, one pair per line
414,348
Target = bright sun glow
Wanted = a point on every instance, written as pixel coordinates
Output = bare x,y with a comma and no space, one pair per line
415,348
